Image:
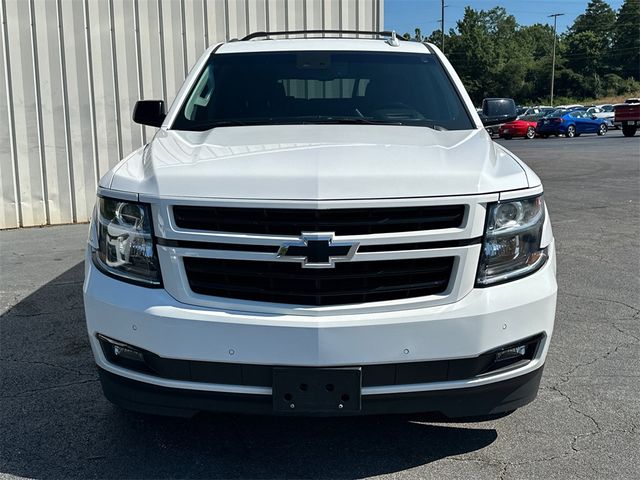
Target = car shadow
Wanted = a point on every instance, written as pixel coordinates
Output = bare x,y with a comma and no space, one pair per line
56,423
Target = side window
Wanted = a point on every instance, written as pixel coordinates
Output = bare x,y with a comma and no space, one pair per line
201,95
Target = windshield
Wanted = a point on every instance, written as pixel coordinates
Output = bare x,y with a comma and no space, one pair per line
323,87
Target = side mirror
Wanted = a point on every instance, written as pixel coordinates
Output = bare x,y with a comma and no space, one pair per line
498,110
593,116
149,112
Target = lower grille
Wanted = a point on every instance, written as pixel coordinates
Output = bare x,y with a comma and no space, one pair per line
372,375
348,282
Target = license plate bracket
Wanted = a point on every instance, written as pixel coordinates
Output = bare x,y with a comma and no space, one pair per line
317,390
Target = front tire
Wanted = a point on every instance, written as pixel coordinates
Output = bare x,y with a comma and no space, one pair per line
531,133
571,131
629,130
602,130
507,137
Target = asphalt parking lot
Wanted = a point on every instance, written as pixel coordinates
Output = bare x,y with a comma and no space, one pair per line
55,422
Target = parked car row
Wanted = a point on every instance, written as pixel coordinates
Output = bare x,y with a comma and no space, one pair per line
572,121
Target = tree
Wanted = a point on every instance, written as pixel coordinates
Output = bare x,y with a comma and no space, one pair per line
598,18
625,53
417,36
585,54
590,39
489,54
538,38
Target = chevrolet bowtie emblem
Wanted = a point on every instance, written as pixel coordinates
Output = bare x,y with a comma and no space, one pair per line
317,250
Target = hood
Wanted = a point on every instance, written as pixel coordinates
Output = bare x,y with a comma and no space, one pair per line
319,162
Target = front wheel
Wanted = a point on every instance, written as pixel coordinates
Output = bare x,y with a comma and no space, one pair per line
629,130
531,133
602,130
571,131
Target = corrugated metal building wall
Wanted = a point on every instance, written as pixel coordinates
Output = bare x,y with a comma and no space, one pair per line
73,69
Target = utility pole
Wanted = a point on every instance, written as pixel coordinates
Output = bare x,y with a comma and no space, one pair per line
553,62
442,24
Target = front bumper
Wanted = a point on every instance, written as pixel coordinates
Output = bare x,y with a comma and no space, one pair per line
493,398
481,321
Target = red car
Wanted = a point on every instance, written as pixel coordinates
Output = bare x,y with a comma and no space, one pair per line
522,127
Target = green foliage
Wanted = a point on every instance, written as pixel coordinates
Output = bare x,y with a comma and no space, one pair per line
625,57
494,56
598,18
417,35
590,39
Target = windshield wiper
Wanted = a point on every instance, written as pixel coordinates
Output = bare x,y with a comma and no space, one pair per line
352,121
308,120
374,121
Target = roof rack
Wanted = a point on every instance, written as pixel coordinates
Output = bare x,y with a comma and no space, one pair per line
391,34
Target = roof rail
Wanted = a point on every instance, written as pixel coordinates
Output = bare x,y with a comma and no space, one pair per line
253,35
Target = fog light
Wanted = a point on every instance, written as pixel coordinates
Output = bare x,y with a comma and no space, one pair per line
128,353
513,353
512,356
123,354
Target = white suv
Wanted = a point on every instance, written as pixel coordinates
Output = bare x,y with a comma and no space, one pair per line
321,226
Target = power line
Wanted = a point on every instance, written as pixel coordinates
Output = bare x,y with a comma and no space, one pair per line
571,55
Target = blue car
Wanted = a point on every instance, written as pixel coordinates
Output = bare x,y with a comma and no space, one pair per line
571,123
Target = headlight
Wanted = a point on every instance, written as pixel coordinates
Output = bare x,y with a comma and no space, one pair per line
511,247
123,245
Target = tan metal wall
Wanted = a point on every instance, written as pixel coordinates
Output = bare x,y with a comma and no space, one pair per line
72,70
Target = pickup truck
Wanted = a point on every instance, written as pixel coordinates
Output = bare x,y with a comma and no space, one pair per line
321,226
627,115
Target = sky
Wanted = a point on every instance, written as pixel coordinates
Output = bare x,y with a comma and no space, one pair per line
405,15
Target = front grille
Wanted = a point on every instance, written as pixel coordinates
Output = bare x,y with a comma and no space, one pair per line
348,221
348,282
